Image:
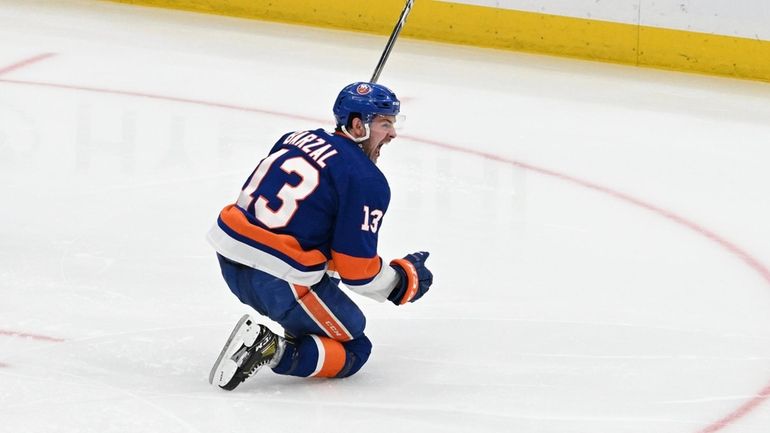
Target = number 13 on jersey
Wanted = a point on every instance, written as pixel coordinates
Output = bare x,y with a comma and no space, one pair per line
289,195
371,220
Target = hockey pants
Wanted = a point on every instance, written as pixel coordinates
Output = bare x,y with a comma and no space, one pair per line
324,328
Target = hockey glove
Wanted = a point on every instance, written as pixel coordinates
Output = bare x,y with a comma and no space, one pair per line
414,278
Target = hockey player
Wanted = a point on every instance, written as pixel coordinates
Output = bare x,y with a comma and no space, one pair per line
308,215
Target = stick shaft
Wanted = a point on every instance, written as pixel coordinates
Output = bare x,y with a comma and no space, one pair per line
391,41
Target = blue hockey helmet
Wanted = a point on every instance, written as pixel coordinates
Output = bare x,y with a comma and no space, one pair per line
366,99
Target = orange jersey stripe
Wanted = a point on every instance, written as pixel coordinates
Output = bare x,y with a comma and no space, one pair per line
286,244
318,311
331,270
334,357
331,267
356,268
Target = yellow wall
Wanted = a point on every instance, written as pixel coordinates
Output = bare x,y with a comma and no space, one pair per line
512,30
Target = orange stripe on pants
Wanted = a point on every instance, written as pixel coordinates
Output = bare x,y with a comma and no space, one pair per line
318,311
331,357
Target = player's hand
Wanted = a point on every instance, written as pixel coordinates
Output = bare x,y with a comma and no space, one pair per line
414,278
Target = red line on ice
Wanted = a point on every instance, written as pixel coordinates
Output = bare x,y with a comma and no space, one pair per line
739,413
735,250
157,97
30,336
759,398
26,62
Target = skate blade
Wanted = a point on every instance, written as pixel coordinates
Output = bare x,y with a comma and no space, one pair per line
224,372
244,333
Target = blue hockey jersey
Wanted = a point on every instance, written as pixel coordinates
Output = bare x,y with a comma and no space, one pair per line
315,203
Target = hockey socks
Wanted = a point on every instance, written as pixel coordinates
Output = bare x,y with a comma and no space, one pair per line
315,356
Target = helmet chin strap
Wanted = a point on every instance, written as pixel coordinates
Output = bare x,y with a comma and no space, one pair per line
357,140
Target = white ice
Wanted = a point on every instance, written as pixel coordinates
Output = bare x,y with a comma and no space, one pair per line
599,233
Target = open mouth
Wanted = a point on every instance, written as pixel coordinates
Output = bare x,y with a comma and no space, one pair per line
379,147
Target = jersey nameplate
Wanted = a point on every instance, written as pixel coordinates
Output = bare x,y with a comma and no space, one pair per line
316,148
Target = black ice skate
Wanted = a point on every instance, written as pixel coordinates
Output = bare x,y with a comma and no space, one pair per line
249,347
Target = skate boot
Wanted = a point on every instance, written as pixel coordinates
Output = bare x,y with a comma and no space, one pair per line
249,347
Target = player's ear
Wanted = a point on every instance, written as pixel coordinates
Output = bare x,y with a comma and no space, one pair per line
358,127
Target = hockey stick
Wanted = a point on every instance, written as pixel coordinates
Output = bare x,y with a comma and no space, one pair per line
392,41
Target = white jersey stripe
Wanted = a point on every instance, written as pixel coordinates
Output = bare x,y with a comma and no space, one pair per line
246,254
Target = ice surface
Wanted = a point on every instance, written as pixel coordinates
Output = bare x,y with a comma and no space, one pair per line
598,233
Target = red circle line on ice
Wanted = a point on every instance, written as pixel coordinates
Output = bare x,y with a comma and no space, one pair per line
38,337
731,418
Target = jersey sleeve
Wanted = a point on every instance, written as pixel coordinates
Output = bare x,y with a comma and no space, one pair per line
362,206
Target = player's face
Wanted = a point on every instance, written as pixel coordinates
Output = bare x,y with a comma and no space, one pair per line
382,130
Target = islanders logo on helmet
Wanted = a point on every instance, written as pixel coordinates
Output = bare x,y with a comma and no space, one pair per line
364,100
